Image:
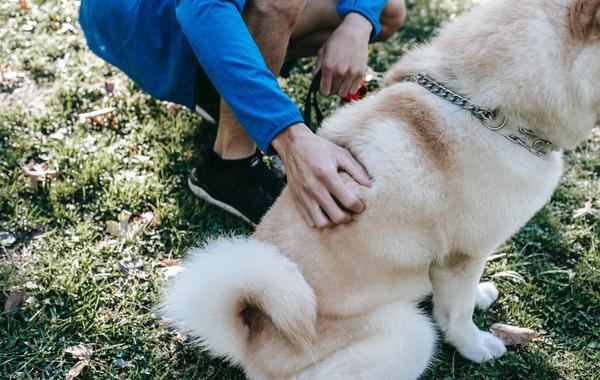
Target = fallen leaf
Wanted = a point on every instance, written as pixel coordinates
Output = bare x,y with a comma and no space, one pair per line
39,173
24,4
155,222
169,262
96,116
588,209
134,148
75,371
128,226
6,239
172,107
80,351
14,300
512,335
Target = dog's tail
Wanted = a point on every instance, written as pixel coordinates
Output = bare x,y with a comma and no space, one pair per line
231,288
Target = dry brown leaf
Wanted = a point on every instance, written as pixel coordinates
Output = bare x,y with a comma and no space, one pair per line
75,371
14,300
128,226
24,4
172,107
134,148
39,173
512,335
97,116
155,222
170,262
80,351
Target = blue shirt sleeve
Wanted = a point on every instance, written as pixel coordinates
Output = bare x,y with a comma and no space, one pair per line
371,9
229,56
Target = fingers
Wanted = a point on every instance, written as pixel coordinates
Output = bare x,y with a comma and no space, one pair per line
322,208
318,217
346,88
356,85
326,81
345,196
333,211
343,84
348,164
306,216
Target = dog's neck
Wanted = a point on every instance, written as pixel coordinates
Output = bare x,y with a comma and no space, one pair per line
547,115
492,119
499,71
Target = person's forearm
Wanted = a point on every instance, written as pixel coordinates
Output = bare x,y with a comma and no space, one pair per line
357,23
283,141
370,9
232,61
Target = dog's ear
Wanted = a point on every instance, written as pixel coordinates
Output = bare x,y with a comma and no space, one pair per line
584,19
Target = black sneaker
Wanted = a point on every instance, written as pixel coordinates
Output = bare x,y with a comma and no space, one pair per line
246,188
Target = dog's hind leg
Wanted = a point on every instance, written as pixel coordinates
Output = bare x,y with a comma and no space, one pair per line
398,345
455,292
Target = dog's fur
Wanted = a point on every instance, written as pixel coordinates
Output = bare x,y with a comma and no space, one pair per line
296,303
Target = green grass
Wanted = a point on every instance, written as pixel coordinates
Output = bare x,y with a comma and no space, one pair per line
74,273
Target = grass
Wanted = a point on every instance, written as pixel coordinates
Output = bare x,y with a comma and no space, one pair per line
85,287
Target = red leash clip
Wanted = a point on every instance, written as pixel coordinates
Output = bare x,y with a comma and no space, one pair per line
361,93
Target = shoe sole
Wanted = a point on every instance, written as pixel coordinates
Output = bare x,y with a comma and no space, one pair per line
202,194
205,115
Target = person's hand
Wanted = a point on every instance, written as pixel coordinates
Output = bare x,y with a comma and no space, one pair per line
343,58
312,164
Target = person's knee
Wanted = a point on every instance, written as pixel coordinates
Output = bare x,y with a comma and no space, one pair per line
392,18
286,12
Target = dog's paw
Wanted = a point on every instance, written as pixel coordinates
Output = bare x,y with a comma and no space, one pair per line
479,346
487,294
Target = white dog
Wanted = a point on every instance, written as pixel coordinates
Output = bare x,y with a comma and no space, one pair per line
461,156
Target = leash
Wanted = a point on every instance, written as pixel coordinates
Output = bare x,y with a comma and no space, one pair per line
312,102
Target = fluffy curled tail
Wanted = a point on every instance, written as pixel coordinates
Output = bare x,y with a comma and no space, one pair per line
231,288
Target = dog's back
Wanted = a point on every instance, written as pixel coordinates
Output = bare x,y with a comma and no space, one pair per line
297,303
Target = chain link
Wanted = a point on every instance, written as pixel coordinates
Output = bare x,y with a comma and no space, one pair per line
481,113
490,118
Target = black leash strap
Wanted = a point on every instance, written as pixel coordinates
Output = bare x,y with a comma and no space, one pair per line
311,102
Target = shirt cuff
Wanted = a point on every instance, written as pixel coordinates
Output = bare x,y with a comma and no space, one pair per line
264,142
344,8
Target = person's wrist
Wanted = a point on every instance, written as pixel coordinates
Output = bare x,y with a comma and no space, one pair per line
357,23
283,141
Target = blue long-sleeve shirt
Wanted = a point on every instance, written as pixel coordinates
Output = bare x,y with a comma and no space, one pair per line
158,42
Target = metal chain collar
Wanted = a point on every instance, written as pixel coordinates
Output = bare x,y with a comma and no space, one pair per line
491,119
